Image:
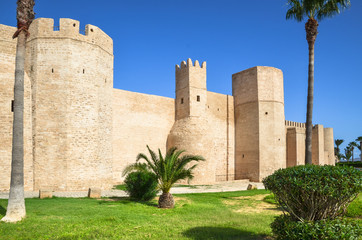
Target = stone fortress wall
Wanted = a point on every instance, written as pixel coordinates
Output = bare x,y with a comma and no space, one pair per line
81,133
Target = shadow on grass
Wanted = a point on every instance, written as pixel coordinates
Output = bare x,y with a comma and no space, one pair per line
201,233
2,211
125,201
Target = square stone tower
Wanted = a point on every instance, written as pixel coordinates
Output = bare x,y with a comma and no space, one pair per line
259,122
191,97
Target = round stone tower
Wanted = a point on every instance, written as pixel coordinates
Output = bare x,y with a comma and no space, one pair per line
191,130
72,81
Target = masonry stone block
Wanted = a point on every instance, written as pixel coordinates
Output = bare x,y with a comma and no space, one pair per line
94,193
45,193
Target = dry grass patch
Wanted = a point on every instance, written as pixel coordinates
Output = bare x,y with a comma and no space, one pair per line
252,204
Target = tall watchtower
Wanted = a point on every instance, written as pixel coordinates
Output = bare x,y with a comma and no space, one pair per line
259,122
191,130
191,97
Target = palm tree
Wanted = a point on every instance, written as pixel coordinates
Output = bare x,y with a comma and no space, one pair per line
351,146
337,151
168,169
359,139
314,10
347,153
16,205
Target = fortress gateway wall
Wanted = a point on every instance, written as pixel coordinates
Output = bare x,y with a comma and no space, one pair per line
79,132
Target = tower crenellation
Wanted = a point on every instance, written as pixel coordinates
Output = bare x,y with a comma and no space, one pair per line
69,28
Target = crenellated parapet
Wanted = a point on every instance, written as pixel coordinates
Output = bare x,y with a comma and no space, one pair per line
289,124
189,64
69,29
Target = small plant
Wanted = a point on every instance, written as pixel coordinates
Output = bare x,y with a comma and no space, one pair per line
285,228
311,192
141,185
168,169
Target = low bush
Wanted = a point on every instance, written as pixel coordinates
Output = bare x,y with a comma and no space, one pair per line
141,185
286,228
312,192
352,164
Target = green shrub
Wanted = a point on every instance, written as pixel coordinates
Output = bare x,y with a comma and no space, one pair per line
285,228
141,186
357,164
314,192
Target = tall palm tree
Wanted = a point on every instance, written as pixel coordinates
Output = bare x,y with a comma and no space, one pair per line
359,139
338,142
16,205
313,10
351,146
168,169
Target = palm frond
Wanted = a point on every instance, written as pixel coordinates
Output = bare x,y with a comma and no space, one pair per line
331,8
169,168
150,163
315,9
136,167
296,10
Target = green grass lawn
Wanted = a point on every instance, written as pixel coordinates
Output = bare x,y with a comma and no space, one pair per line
233,215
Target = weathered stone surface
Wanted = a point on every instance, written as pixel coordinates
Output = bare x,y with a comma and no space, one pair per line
94,193
45,193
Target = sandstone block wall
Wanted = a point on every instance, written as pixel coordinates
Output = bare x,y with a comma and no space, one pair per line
138,119
72,119
295,146
322,144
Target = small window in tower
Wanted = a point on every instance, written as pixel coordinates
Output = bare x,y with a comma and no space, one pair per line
74,25
83,71
91,29
52,70
182,101
198,98
266,113
243,156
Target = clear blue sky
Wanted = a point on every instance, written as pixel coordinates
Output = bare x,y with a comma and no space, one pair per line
150,37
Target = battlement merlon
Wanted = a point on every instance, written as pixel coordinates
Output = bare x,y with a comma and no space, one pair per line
69,28
189,75
189,65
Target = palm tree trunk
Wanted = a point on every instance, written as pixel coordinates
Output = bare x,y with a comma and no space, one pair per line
16,205
311,32
166,201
